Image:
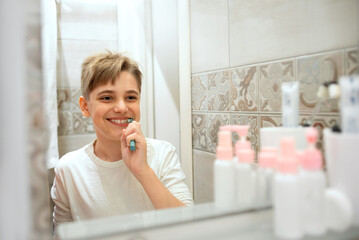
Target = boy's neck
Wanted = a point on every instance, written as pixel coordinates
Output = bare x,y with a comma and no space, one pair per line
109,151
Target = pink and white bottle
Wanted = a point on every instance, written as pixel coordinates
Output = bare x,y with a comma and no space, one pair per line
313,185
265,174
287,218
224,173
245,170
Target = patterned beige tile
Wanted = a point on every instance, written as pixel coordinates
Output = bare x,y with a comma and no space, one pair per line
199,131
270,121
253,132
272,76
71,120
203,176
65,123
244,88
199,92
63,100
351,62
218,90
312,71
215,120
75,95
81,124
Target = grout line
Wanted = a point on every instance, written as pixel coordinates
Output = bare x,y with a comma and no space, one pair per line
278,60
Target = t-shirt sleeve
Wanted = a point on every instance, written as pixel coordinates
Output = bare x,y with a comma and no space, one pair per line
172,177
62,211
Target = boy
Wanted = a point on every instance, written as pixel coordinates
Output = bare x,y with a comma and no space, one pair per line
106,177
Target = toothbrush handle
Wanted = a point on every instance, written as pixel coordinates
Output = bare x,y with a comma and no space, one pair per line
132,145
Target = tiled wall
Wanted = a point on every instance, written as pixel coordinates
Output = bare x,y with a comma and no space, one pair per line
226,90
83,30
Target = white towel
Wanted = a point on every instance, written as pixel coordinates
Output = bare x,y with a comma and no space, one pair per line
49,56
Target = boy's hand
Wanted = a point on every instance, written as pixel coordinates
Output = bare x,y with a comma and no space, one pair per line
136,161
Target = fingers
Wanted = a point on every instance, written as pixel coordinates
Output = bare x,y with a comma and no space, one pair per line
132,133
134,127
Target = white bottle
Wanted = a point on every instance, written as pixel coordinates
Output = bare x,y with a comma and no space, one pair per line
287,221
224,178
313,185
265,174
245,171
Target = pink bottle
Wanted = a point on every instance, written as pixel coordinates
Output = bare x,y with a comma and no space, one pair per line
245,170
313,185
224,178
265,174
286,200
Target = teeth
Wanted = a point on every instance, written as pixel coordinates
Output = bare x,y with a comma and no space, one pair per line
119,121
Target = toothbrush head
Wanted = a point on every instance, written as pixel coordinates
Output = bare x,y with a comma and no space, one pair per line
130,120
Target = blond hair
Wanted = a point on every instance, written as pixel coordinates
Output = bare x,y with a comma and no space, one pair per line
102,68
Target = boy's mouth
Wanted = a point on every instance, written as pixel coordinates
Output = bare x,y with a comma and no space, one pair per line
118,121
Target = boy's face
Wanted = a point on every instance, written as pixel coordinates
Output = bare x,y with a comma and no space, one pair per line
110,106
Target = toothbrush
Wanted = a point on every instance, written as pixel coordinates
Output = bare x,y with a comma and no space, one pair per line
132,143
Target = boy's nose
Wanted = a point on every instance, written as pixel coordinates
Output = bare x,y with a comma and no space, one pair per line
120,106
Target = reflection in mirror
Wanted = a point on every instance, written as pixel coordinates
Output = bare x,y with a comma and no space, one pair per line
240,56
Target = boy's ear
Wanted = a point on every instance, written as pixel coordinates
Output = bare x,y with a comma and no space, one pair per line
84,106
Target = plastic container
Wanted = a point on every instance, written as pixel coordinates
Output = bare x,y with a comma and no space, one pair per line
224,173
313,186
287,220
265,174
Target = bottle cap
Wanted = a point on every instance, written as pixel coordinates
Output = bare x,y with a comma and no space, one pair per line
312,158
267,157
287,162
224,147
245,155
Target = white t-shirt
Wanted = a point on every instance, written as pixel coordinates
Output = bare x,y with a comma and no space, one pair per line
87,187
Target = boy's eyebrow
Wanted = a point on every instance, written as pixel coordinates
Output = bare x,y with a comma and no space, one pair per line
132,91
111,92
105,91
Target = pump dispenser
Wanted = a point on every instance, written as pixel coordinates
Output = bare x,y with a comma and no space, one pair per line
224,178
313,185
245,169
265,173
287,218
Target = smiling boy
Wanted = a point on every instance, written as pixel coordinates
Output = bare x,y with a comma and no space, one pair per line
105,177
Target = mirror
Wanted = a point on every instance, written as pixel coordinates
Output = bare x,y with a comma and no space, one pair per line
240,55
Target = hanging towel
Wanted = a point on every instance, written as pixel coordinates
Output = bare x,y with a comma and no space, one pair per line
49,57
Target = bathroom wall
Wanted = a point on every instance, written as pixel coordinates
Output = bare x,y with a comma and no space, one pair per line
83,29
241,52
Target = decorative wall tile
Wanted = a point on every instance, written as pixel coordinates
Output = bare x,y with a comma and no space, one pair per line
214,121
312,71
253,132
81,124
351,62
244,89
71,120
209,35
199,131
272,76
218,90
203,176
270,121
199,87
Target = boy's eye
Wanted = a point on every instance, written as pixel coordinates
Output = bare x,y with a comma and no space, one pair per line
106,98
132,97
